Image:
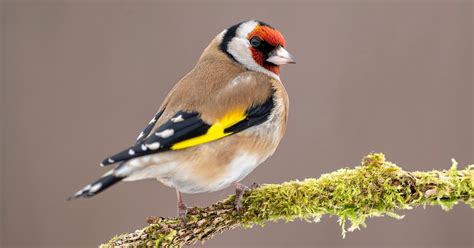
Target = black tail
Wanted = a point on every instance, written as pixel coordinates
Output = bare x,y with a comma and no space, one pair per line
96,187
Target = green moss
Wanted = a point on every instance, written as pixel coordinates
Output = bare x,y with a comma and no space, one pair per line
374,188
164,238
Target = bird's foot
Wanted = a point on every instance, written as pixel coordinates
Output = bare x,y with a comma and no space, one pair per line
239,192
182,210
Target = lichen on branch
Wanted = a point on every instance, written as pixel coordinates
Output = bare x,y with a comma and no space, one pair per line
374,188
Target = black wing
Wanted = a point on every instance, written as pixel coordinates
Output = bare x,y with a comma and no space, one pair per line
256,115
150,126
184,126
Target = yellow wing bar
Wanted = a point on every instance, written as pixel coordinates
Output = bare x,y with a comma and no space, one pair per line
216,131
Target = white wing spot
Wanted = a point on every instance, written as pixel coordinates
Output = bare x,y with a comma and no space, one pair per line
131,152
152,121
110,160
110,172
143,147
165,134
154,146
96,187
178,118
86,188
78,193
140,136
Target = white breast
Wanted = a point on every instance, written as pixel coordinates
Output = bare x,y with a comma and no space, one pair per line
238,169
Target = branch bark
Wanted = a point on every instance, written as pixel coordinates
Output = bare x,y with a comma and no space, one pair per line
375,188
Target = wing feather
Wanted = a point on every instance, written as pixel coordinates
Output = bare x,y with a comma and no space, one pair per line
187,129
146,131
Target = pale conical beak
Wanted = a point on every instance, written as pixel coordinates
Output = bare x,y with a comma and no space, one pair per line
280,56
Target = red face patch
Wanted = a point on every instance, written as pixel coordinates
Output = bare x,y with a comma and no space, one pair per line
273,38
268,34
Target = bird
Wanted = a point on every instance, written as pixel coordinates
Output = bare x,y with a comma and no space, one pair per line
217,124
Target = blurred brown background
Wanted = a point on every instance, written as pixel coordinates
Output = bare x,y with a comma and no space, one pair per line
81,78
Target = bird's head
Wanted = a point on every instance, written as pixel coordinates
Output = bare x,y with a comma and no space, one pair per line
256,45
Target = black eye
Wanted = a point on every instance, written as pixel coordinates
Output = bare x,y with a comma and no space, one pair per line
255,42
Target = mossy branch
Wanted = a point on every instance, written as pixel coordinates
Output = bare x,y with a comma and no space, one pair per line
375,188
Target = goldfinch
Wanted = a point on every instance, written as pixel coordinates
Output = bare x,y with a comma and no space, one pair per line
218,123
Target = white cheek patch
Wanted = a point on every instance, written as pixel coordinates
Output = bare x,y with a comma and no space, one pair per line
245,28
239,48
220,36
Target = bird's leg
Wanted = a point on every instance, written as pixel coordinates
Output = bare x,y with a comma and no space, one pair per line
182,208
239,192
